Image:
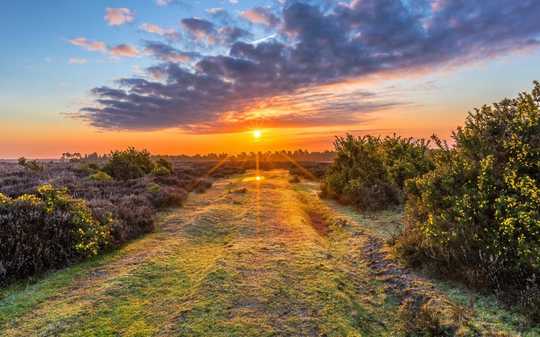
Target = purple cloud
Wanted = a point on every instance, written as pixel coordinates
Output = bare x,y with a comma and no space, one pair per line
314,46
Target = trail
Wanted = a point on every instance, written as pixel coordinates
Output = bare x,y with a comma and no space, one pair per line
246,258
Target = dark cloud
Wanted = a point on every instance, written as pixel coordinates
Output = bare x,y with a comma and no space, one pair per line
199,29
262,16
167,53
230,34
316,46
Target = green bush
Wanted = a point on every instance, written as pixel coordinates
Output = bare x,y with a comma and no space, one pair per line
164,163
45,231
161,171
129,164
100,176
369,172
477,215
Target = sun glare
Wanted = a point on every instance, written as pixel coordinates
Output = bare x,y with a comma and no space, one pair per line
257,134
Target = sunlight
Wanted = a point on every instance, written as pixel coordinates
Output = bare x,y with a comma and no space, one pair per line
257,134
256,178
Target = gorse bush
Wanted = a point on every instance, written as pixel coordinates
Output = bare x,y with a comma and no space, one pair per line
477,215
369,172
46,230
161,171
165,164
100,176
129,164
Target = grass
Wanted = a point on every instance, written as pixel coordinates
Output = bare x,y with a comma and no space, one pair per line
253,263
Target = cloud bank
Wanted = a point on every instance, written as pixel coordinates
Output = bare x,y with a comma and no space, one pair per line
313,45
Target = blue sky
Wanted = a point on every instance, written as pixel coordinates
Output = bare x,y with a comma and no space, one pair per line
199,70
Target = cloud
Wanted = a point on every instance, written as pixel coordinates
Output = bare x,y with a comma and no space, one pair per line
205,31
118,16
88,44
169,33
260,15
120,50
230,34
123,50
75,60
166,53
164,2
287,80
200,29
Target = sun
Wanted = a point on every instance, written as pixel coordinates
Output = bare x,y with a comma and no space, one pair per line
257,134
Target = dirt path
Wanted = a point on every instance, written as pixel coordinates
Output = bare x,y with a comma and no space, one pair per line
248,258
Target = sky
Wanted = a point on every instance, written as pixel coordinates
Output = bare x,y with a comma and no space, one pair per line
179,76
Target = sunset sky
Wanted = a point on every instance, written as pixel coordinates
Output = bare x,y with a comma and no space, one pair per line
187,76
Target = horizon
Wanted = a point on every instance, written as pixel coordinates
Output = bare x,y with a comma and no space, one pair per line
179,78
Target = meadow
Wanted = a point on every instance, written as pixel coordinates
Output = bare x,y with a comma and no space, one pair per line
384,236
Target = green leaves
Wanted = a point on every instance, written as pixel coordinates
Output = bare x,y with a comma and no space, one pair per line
47,230
370,172
478,212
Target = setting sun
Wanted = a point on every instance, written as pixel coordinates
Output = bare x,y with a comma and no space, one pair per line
257,134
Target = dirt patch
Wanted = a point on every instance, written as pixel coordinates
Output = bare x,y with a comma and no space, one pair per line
318,223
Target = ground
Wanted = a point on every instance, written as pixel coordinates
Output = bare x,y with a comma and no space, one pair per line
254,258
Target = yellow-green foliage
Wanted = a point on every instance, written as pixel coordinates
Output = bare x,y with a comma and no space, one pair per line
161,171
100,176
369,172
478,212
129,164
153,188
46,230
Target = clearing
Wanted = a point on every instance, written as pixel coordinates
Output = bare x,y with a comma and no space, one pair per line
254,258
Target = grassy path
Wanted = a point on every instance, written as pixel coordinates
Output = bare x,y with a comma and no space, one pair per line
247,258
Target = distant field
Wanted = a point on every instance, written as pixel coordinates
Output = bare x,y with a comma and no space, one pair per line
254,257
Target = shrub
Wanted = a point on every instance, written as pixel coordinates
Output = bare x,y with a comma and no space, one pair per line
136,218
31,165
161,171
477,215
369,172
100,176
86,168
47,230
129,164
165,164
168,197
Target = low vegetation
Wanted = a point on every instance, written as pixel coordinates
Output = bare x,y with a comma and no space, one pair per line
476,216
472,210
53,214
46,230
370,172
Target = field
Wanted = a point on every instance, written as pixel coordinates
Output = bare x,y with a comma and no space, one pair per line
254,257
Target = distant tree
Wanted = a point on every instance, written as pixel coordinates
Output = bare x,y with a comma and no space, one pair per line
31,165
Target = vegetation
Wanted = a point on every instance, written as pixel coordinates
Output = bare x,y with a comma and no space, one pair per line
370,172
31,165
100,176
129,164
46,230
36,226
232,264
477,215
